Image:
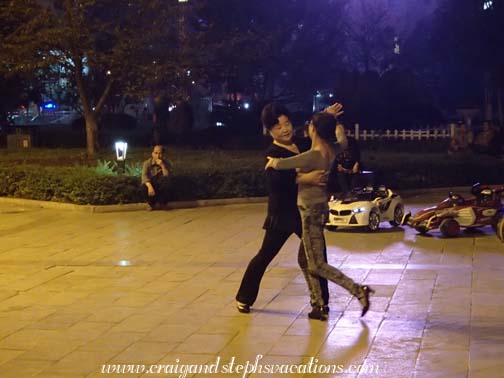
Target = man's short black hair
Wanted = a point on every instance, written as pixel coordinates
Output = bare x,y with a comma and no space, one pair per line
159,145
271,113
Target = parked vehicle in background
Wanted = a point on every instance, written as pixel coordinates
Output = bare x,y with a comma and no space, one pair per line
484,208
57,117
365,207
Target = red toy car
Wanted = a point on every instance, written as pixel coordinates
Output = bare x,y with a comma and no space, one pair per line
484,208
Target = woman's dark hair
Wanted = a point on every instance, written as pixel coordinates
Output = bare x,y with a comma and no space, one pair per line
325,125
271,113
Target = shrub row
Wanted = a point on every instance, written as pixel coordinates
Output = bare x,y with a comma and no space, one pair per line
74,185
443,171
82,185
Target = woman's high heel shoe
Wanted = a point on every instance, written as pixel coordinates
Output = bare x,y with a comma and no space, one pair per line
318,312
364,300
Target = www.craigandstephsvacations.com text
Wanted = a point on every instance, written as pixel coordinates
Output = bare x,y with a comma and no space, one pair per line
242,369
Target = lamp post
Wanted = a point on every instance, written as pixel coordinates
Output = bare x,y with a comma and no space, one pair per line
121,150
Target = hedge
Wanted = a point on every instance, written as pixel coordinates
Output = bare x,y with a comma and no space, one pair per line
81,185
438,171
84,187
73,185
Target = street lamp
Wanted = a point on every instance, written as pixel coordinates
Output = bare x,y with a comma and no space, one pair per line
121,150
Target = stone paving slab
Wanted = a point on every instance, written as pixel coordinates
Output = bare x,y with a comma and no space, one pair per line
85,293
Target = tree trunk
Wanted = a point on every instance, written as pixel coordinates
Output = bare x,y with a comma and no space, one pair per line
90,114
91,134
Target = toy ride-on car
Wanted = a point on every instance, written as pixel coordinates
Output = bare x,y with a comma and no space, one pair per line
365,207
482,209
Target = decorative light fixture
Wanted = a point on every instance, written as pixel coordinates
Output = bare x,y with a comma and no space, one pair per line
121,151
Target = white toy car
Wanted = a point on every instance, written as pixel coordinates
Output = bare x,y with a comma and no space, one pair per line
365,207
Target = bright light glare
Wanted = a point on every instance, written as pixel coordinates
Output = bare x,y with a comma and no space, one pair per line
121,150
359,210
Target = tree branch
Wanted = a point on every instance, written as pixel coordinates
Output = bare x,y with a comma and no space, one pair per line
80,86
104,96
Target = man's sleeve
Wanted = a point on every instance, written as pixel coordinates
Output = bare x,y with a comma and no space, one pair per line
145,172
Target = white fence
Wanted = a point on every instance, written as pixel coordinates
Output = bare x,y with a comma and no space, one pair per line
419,134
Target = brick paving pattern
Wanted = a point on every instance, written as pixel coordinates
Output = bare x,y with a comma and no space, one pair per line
79,290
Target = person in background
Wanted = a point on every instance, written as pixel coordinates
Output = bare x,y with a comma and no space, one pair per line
484,143
346,167
155,172
462,139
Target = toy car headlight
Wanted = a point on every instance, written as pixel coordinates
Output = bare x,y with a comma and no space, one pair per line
359,210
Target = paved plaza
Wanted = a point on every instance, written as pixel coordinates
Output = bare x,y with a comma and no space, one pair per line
83,293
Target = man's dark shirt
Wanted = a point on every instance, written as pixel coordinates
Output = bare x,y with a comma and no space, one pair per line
283,213
350,155
347,159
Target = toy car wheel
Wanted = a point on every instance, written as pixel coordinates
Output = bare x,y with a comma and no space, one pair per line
332,228
421,229
449,227
374,221
500,230
398,216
